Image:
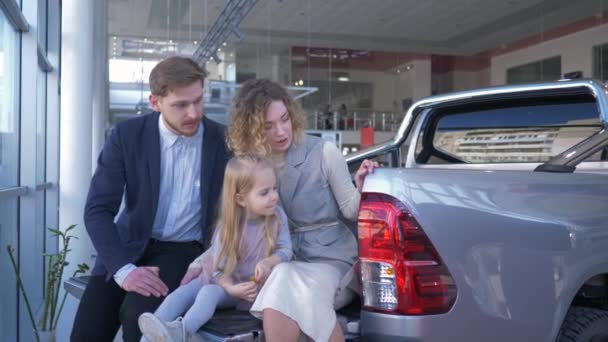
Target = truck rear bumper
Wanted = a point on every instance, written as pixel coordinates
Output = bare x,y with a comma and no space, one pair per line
384,327
445,327
451,326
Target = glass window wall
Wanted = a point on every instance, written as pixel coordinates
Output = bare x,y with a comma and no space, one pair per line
9,104
9,171
600,62
361,64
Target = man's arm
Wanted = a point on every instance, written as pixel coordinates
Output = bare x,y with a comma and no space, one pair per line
103,201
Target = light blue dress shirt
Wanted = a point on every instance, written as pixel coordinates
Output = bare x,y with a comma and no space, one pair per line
178,216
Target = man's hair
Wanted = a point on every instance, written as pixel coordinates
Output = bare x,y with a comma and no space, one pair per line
175,72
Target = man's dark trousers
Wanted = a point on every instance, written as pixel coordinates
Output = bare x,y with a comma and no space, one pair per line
103,299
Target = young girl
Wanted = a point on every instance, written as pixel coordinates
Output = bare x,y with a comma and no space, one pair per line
251,237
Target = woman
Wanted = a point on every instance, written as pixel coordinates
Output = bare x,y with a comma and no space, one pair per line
314,187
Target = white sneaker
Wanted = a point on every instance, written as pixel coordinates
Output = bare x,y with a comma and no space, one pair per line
157,330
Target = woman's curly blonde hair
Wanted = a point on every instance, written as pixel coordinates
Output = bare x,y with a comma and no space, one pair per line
246,133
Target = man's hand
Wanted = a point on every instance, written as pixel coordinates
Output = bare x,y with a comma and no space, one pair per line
367,167
246,291
191,273
262,270
145,281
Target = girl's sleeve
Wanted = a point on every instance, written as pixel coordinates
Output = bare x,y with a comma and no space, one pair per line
215,253
336,172
284,250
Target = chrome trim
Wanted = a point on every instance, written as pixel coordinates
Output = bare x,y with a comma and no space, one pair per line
14,15
43,61
13,192
371,152
596,89
44,186
581,151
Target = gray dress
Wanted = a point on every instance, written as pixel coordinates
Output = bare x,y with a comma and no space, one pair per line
324,248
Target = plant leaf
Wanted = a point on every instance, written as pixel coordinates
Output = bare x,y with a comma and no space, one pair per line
55,231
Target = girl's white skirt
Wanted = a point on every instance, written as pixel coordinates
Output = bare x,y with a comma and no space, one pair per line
303,291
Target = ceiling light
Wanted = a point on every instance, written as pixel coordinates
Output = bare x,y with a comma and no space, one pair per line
224,44
114,37
195,42
343,79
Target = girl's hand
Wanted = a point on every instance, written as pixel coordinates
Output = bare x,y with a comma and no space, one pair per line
262,271
367,167
246,291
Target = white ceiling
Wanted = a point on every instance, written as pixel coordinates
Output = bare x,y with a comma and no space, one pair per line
437,26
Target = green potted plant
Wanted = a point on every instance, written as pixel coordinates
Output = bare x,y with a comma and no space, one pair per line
45,329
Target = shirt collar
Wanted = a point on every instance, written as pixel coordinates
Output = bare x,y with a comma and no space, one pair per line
169,138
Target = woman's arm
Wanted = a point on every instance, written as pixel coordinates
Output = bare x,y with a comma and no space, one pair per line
204,263
336,171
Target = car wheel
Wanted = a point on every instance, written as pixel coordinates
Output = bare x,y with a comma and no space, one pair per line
584,325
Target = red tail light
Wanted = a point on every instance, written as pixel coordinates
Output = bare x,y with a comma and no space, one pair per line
400,269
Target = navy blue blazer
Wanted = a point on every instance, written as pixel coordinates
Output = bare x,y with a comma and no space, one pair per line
129,165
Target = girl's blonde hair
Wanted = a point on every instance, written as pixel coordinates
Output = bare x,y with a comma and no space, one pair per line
246,133
239,179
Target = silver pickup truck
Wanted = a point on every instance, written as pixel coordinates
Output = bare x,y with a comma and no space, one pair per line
490,222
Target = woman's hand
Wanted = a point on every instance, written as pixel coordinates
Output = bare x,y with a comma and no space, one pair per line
246,291
367,167
191,273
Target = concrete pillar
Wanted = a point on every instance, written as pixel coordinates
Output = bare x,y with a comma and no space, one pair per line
78,57
421,79
101,100
275,67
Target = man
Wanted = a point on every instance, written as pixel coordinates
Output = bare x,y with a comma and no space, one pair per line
169,166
